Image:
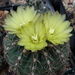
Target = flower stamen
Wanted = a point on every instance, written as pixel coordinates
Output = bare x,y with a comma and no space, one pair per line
23,23
34,38
51,31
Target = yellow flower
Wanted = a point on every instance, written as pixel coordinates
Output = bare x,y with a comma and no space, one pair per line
15,21
33,37
57,30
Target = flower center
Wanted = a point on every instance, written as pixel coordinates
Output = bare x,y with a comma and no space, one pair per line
51,31
23,23
34,38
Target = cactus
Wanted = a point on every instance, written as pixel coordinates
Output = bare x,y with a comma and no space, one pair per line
38,4
51,59
48,61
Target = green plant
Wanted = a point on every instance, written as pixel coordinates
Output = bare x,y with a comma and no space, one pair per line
45,62
36,45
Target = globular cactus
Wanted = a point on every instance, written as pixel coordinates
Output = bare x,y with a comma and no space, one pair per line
48,61
1,29
38,4
37,43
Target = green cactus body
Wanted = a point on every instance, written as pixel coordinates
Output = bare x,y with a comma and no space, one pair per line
38,4
44,62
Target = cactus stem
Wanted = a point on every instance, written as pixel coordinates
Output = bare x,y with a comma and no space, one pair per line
48,61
